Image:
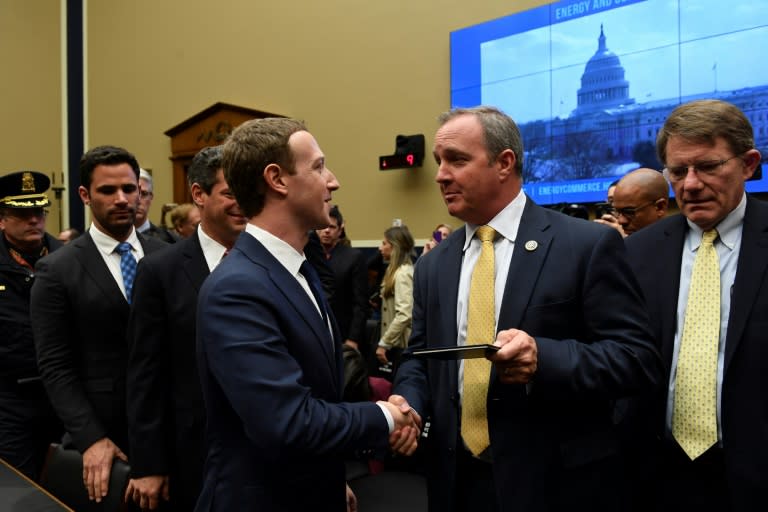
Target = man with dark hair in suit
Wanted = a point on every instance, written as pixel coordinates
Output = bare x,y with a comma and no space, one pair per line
27,422
79,307
704,273
531,429
269,351
166,415
350,299
349,303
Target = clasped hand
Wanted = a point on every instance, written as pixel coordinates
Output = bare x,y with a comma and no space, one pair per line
404,439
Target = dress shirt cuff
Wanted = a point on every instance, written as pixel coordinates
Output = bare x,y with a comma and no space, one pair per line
388,416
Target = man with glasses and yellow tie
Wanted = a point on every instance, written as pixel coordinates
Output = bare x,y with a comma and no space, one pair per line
640,199
704,277
528,428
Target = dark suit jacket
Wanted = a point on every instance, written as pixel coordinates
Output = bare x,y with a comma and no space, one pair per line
161,233
272,382
166,415
554,446
79,320
350,298
656,254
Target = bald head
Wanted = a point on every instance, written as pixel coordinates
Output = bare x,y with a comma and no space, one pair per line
641,198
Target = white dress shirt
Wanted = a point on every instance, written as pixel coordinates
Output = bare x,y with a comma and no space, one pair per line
107,245
728,246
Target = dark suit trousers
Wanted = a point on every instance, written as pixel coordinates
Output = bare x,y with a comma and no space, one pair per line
687,484
28,426
475,489
564,490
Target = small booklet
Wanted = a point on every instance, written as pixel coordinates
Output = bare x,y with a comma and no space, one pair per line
460,352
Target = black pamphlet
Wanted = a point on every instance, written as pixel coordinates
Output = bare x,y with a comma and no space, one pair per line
460,352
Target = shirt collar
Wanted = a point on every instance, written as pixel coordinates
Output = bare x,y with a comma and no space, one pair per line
728,230
280,249
212,250
505,223
107,244
144,227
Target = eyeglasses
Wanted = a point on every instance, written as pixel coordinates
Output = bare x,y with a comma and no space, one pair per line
710,168
630,211
145,194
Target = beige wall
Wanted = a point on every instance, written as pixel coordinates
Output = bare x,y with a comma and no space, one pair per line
357,72
30,90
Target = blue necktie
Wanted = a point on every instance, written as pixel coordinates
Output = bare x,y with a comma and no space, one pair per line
127,267
310,275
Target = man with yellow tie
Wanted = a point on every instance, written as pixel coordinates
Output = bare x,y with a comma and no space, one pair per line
703,273
529,428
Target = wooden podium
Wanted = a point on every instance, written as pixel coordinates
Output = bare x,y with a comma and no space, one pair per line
206,128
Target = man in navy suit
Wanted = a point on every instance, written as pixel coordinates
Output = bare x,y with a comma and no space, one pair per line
166,416
79,309
708,150
269,351
571,328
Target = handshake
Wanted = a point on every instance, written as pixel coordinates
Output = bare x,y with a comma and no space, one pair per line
404,439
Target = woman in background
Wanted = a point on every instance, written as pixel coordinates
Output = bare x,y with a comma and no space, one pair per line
185,219
396,296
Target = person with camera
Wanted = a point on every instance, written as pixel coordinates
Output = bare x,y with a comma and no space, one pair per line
604,211
440,233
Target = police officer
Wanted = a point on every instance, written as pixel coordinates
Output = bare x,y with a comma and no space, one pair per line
27,422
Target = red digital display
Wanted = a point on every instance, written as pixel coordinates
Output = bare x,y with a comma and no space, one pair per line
405,161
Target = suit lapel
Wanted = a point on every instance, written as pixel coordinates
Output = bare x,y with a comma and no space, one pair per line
534,238
448,289
448,295
194,264
93,264
289,287
670,249
753,259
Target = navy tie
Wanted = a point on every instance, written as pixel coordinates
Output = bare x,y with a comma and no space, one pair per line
310,275
127,267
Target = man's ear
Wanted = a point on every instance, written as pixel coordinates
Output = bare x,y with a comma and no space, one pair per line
506,161
85,197
197,194
274,177
751,160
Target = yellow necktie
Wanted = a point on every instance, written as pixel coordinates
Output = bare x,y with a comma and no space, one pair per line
481,328
694,418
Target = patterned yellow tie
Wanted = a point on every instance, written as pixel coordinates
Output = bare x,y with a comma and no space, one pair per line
481,328
694,418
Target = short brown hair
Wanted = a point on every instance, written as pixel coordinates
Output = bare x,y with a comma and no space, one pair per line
704,121
250,148
500,131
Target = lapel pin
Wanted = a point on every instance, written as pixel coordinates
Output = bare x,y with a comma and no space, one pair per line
531,245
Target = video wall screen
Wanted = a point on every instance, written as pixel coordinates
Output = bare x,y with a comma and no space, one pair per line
591,82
